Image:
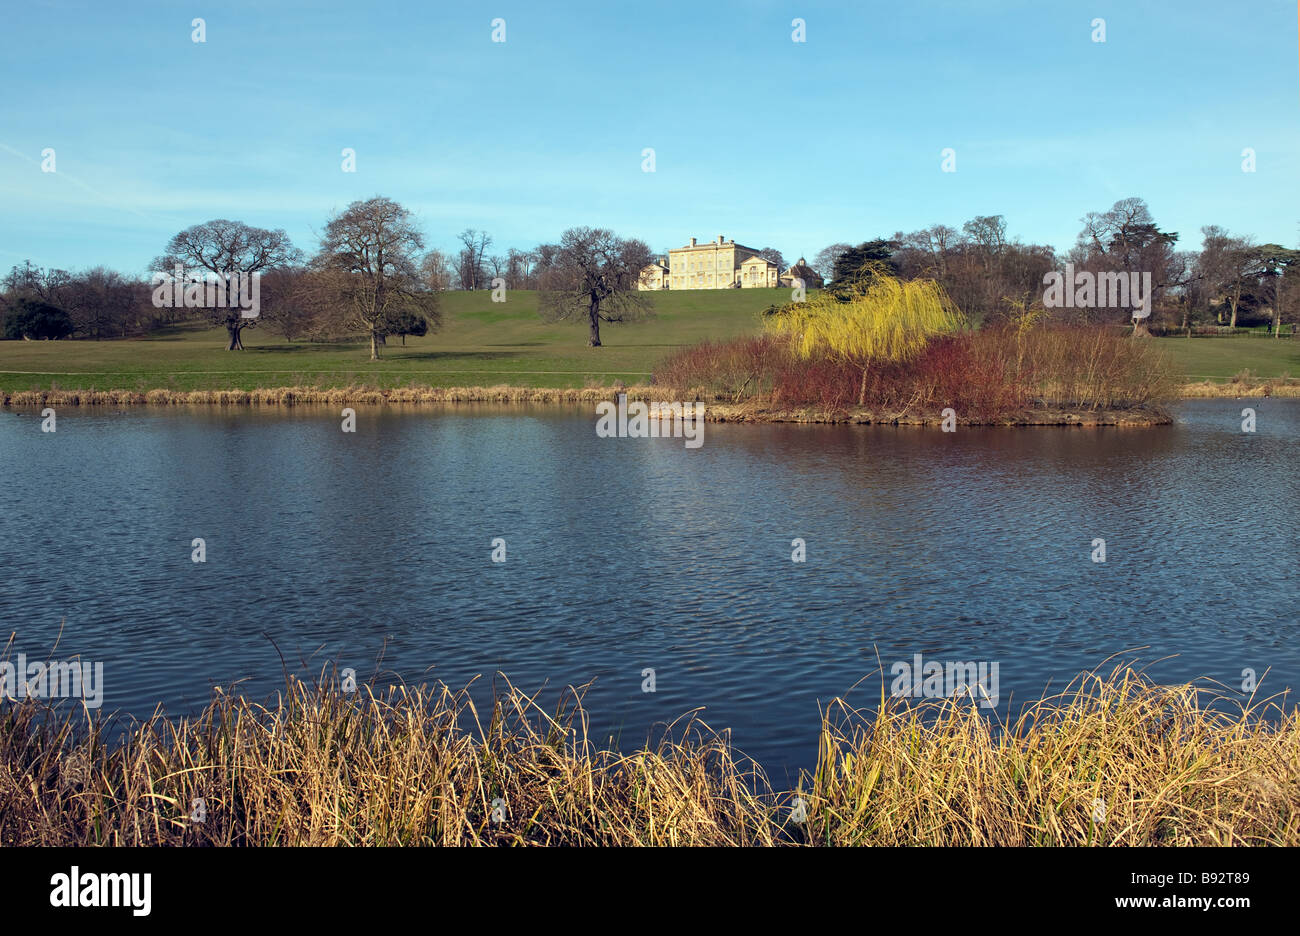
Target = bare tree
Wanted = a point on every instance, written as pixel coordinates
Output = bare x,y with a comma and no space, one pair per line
774,255
935,244
1229,264
824,262
288,306
594,276
544,256
102,301
36,282
436,271
228,249
1121,233
1126,239
470,261
367,264
988,233
519,269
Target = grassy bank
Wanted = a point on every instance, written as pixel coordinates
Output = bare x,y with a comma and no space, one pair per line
1222,358
1113,761
482,344
486,344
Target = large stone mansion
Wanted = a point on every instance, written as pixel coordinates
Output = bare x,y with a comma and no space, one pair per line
722,264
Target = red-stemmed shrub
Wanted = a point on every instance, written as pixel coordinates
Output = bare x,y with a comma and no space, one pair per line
984,375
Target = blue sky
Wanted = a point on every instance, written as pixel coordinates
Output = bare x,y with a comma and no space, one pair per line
772,142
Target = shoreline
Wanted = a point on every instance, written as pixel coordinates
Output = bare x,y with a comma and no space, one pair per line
1215,390
752,411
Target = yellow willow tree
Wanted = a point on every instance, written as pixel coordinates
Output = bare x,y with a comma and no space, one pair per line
877,319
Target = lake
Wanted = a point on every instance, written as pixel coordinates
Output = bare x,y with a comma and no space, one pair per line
624,555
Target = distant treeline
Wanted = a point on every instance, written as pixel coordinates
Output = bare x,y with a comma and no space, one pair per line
1229,281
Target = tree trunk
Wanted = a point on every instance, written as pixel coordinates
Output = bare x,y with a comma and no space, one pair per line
1277,309
593,316
862,390
235,344
374,345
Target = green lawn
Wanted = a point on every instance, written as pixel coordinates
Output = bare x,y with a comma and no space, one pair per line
1217,358
483,343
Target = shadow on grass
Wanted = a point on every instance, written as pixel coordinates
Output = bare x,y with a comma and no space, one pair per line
392,354
184,331
305,348
411,355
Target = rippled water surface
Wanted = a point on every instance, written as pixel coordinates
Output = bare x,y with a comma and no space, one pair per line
628,554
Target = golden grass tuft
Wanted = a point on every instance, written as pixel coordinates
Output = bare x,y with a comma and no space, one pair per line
421,767
1157,764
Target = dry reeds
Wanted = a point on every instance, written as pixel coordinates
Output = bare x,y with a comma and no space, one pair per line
1242,385
331,396
1114,761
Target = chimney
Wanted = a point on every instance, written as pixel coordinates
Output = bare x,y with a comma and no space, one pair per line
719,238
692,242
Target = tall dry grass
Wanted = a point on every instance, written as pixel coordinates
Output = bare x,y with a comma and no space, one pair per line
1089,368
331,396
1113,760
321,767
724,371
425,767
1240,386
